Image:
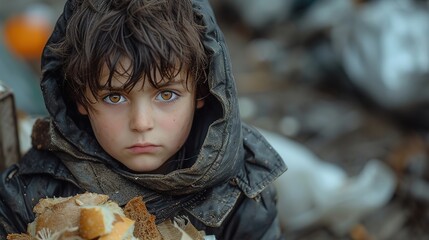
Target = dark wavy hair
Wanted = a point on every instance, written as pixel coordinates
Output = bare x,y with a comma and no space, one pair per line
161,36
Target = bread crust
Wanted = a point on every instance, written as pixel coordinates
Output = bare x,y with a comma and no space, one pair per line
145,227
21,236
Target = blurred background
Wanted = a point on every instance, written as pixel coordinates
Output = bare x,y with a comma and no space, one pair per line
339,87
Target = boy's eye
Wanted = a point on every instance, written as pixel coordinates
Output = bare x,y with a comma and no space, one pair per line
166,96
114,98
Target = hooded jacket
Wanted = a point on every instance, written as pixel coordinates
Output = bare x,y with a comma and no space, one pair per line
227,191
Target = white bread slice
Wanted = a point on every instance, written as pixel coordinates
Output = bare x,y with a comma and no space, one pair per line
122,230
95,221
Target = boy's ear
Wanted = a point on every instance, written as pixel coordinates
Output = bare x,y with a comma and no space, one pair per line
82,110
200,103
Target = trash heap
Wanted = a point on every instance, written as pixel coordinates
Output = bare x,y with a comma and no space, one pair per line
340,88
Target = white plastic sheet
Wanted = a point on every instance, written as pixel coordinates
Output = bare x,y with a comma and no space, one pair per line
314,192
384,48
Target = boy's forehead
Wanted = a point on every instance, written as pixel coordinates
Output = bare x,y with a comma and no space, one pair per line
123,72
116,80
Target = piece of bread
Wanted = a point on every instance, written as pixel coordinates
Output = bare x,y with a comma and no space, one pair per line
21,236
123,229
60,214
145,227
95,221
90,216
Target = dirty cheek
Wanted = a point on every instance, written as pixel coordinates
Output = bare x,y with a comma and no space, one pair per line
100,129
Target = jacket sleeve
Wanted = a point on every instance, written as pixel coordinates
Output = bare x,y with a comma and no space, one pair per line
39,174
255,218
15,212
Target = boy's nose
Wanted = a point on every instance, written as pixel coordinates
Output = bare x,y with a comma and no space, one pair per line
141,119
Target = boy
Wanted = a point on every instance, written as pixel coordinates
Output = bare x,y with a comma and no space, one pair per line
142,102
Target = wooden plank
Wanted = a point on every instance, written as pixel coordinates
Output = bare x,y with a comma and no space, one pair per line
9,141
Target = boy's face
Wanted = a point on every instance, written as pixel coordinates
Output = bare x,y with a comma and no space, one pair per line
144,128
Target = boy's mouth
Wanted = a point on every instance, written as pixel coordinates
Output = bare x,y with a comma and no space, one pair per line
143,148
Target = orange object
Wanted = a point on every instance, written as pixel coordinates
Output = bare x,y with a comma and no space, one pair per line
26,35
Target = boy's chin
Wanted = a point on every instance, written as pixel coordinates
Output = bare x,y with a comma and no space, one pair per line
148,168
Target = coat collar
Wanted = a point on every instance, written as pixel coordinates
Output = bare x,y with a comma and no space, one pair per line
210,205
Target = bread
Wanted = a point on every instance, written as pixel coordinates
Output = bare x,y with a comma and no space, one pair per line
95,221
90,216
62,214
145,227
21,236
123,228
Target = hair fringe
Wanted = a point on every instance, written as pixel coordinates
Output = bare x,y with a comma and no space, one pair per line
157,36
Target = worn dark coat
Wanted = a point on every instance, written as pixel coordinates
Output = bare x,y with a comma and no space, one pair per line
226,190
